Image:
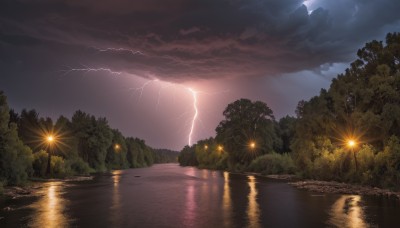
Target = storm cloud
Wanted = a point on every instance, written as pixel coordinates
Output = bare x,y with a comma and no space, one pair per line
183,40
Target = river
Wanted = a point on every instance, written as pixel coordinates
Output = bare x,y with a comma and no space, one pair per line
167,195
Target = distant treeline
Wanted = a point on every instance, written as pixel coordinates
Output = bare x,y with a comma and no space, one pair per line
350,132
79,146
165,156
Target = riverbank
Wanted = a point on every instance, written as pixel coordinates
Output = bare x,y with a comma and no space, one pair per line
330,187
343,188
33,187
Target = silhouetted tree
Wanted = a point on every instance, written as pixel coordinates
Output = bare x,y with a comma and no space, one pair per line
15,157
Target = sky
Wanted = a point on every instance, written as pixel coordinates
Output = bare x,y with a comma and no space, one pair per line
164,70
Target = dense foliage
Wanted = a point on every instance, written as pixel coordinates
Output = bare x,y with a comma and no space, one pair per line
247,122
362,104
248,132
187,156
165,156
15,157
82,145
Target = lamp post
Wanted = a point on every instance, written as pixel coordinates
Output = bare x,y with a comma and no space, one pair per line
117,147
252,145
351,143
50,141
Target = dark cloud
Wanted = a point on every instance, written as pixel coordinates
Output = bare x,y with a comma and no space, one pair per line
193,39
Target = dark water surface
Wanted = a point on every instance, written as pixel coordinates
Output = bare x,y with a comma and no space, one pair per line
172,196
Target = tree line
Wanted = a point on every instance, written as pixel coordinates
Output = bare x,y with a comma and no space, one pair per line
81,145
361,106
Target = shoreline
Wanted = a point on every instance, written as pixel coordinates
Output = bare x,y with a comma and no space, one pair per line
32,188
333,187
320,186
328,187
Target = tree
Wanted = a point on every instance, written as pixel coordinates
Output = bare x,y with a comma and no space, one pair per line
139,154
187,156
286,126
29,129
94,138
362,103
246,122
117,153
15,157
165,156
14,117
209,154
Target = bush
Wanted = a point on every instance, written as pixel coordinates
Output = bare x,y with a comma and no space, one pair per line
387,165
366,163
222,163
57,166
273,164
324,166
40,163
76,166
339,165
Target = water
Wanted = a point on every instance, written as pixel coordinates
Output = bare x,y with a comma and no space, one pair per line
172,196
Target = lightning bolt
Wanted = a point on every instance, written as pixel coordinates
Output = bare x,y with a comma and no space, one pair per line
196,113
86,70
159,93
133,52
141,88
194,93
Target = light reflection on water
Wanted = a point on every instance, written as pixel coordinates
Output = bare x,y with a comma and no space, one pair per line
253,209
116,199
347,212
173,196
227,201
50,208
190,203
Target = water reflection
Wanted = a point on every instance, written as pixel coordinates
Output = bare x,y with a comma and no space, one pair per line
116,198
50,208
347,212
204,174
253,209
190,203
226,201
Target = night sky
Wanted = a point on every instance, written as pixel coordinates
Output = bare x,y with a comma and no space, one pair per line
135,61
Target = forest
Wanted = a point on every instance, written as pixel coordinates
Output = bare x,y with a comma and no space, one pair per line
81,145
349,132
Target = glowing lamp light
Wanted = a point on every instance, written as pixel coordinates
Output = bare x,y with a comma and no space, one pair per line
205,147
252,145
351,143
50,139
117,146
220,148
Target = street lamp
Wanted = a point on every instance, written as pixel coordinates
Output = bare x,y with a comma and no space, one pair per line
220,148
351,143
205,147
252,145
50,141
117,147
